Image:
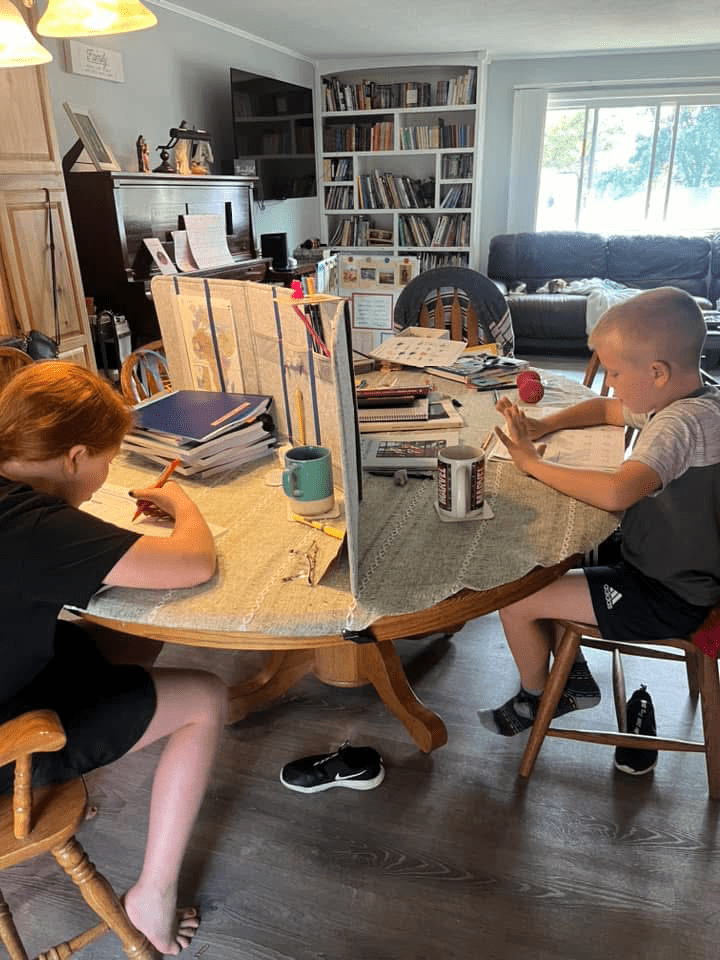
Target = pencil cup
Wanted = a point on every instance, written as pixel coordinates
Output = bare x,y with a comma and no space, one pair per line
308,480
460,483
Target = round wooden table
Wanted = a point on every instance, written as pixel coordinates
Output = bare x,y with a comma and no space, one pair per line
417,576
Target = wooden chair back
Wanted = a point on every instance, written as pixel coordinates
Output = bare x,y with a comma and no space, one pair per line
450,311
462,301
11,360
144,373
591,371
45,819
702,679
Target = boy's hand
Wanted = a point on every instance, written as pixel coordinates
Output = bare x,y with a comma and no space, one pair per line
522,431
535,428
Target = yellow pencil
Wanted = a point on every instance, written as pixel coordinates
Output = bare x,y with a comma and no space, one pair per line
300,416
319,525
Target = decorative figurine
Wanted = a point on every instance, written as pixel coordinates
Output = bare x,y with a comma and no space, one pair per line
143,154
202,157
182,153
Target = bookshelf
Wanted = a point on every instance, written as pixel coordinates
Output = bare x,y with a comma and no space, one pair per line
399,171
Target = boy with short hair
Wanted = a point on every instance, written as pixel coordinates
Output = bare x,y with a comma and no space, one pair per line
667,576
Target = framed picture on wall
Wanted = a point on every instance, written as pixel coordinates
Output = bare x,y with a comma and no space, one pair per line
96,148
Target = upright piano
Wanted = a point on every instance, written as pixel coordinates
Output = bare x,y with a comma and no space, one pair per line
112,213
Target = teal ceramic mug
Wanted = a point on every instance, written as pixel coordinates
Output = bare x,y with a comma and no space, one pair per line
308,480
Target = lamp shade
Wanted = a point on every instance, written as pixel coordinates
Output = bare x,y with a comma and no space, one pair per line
90,18
18,47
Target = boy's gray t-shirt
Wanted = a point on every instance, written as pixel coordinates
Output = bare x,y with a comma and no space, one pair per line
674,535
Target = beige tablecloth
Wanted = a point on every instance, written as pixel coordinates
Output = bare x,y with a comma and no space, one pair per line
409,559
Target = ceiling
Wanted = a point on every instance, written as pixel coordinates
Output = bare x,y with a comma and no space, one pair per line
319,29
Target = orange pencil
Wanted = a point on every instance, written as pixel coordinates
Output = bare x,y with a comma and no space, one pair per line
161,480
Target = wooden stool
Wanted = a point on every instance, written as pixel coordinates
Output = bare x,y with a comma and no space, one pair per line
702,676
45,819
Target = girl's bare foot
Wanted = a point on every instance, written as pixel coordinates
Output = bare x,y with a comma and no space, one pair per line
168,929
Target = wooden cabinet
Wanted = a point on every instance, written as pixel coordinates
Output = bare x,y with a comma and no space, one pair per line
112,213
31,180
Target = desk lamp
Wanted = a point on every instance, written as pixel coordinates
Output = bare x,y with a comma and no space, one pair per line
175,134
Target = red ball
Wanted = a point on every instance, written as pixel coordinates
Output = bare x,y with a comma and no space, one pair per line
530,391
527,375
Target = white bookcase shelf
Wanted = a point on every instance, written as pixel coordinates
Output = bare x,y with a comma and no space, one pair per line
398,163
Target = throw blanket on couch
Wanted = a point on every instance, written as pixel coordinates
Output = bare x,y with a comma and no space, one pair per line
601,295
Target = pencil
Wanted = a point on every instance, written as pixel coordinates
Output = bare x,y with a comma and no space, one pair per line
161,480
319,525
300,416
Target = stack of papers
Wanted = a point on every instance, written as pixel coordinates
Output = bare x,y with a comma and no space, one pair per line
481,370
208,431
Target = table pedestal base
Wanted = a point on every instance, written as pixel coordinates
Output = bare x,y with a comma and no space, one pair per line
349,665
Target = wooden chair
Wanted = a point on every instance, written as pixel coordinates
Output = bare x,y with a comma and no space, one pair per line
702,677
591,371
35,821
11,360
144,373
460,300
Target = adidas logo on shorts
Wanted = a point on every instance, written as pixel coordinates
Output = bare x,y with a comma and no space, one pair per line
611,596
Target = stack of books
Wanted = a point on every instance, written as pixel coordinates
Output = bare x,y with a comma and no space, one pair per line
484,371
208,431
384,409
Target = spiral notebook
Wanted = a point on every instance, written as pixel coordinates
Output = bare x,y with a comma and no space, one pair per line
418,410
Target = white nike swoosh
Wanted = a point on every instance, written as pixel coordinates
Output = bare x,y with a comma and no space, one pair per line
350,776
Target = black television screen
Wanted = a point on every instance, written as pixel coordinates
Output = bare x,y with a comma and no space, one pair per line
274,133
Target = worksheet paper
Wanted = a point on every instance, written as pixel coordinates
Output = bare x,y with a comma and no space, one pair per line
595,448
112,503
419,351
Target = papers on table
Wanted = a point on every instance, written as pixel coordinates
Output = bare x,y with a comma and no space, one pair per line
419,351
207,240
112,503
594,448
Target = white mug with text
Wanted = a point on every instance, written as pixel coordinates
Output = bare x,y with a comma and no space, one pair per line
460,483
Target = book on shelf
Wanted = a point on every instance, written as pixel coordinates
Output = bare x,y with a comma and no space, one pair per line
390,455
469,368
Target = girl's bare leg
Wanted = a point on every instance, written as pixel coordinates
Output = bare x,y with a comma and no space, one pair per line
191,711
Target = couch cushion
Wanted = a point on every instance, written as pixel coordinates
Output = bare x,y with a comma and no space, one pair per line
538,257
646,261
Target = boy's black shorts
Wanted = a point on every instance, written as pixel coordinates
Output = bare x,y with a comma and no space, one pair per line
632,607
105,708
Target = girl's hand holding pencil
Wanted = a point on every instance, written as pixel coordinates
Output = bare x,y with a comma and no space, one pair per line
150,507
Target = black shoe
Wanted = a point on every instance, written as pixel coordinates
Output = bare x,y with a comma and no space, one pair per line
640,719
360,768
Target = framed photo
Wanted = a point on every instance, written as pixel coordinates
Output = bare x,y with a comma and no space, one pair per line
96,148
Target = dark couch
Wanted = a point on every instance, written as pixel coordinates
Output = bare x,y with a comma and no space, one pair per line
555,323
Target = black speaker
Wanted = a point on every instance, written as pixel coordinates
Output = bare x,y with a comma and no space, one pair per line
275,245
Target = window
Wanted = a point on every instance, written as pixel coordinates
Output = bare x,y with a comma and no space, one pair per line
631,165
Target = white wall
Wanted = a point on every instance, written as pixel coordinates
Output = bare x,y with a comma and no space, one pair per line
505,75
179,70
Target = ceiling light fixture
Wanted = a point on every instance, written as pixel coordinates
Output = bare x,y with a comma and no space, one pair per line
90,18
18,47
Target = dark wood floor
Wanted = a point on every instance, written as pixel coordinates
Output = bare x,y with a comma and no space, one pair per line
452,858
